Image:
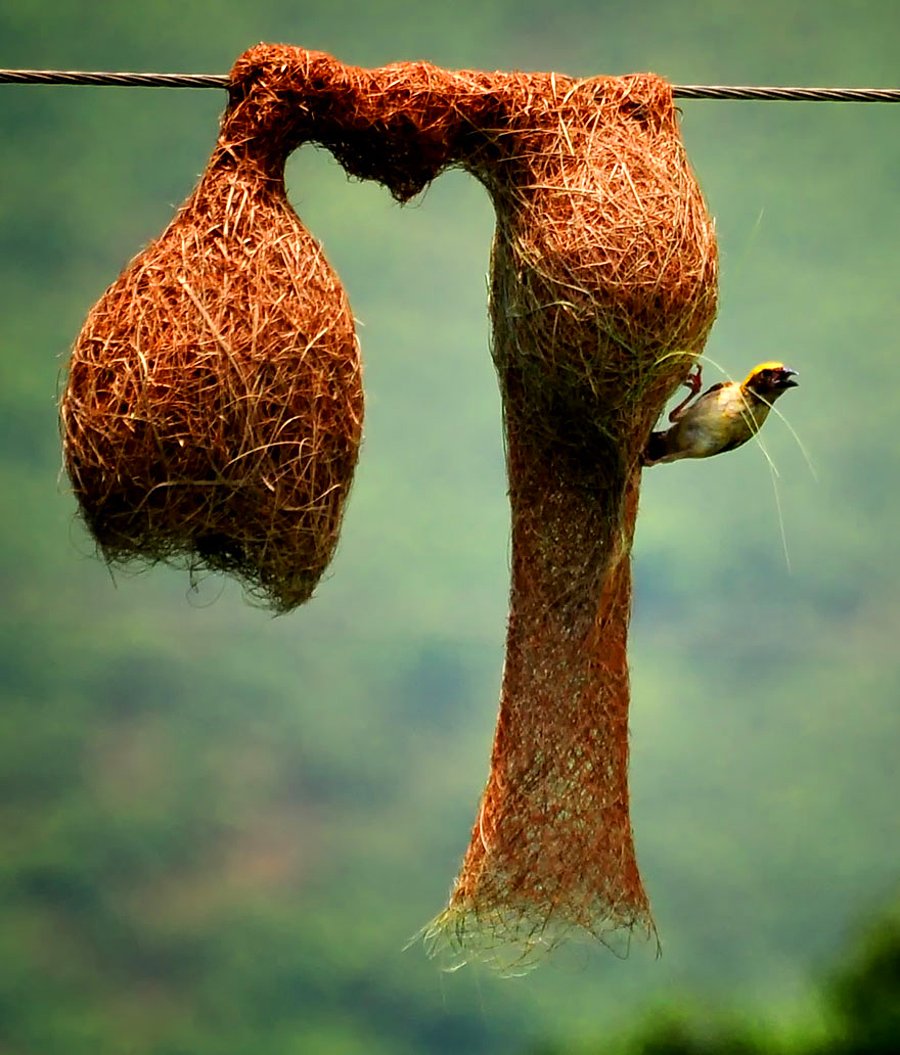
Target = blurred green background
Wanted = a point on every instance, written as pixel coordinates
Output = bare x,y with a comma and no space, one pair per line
218,830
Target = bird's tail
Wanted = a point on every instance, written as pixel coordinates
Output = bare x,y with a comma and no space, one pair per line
656,448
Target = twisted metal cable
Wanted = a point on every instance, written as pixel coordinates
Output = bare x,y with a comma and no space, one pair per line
140,80
681,91
808,95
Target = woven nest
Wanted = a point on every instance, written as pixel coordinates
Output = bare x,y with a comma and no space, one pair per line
603,290
213,411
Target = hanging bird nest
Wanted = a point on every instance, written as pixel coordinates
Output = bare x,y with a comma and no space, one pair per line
603,290
213,411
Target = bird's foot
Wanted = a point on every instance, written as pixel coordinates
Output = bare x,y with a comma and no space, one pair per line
693,381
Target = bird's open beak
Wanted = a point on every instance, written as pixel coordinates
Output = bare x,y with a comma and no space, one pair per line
786,378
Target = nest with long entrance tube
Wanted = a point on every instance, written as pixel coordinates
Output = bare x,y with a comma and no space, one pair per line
603,290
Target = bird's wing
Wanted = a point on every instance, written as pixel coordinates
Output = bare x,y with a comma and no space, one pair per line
738,441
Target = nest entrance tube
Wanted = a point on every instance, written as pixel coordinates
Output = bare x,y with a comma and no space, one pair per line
603,291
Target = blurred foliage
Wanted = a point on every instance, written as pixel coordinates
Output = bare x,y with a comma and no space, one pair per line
861,1014
865,995
218,830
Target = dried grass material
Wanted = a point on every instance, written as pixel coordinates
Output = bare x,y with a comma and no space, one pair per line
213,411
603,290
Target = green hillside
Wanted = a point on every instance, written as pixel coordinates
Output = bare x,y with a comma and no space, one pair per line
218,830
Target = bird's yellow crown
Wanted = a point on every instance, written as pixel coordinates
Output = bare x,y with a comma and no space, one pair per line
769,364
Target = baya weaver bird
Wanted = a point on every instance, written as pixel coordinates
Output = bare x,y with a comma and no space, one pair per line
724,417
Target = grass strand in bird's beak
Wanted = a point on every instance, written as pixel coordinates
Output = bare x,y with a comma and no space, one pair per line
776,476
797,440
778,510
702,357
